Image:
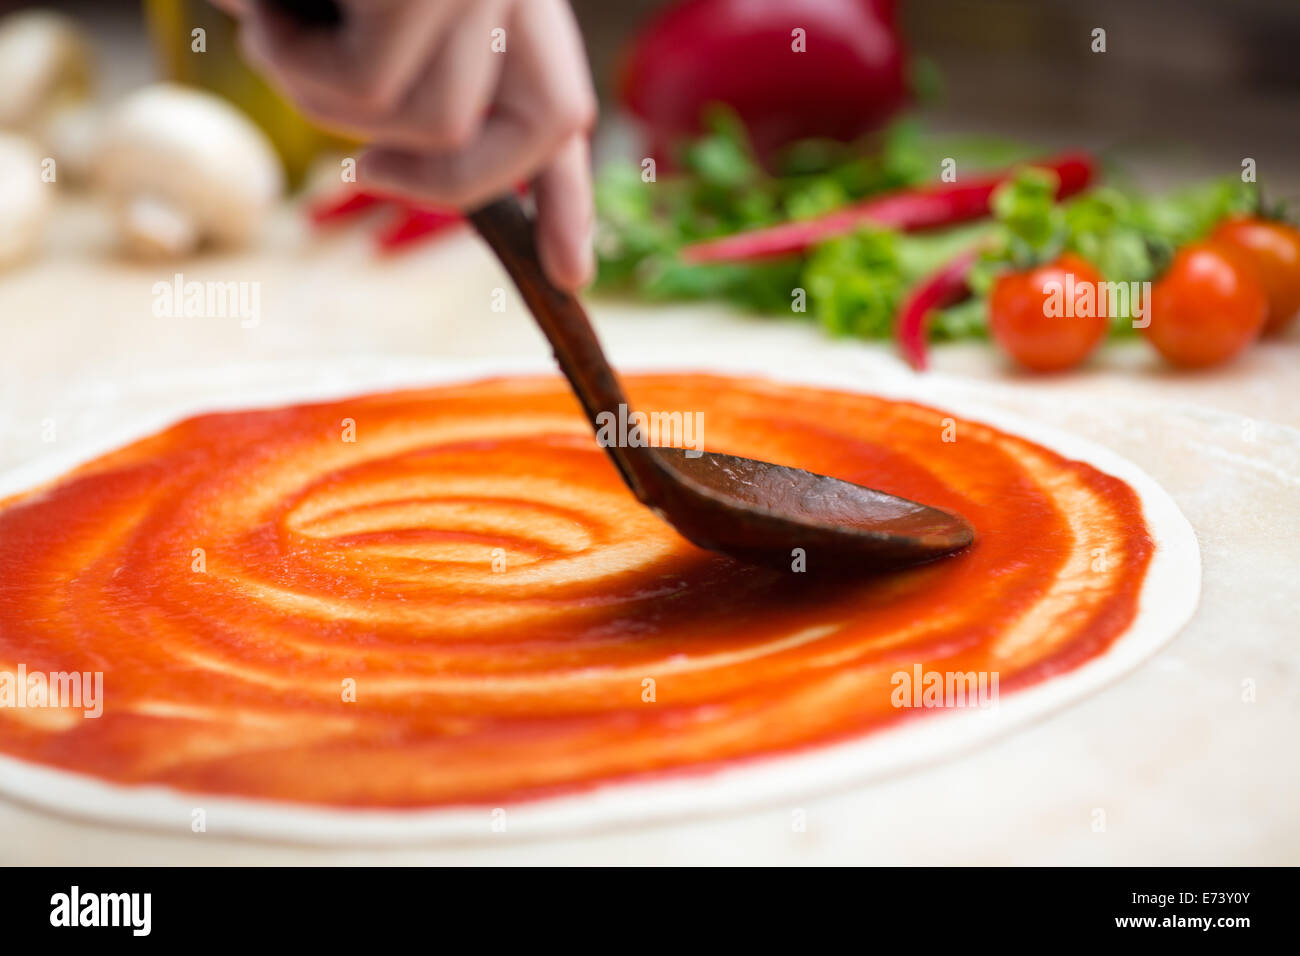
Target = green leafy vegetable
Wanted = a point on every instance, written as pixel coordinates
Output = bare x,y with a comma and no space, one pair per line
853,284
857,283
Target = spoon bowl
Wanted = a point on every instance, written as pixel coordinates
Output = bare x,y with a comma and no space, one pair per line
764,514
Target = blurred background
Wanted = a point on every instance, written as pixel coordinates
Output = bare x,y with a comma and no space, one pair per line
1197,79
1182,94
1215,76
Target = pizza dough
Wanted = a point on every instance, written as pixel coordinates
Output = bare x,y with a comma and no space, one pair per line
398,606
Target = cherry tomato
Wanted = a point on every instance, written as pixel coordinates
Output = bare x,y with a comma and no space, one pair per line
1207,307
1274,249
1051,317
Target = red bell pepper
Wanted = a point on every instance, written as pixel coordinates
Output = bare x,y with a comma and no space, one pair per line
790,69
908,209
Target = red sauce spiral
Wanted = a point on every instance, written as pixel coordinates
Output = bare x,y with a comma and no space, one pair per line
465,605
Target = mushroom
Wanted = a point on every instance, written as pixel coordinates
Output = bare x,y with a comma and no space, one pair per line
44,62
183,168
24,198
71,134
45,84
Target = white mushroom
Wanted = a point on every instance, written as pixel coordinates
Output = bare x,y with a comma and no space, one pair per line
24,198
44,63
45,82
71,134
184,168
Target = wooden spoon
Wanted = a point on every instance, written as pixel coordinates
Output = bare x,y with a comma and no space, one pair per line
752,510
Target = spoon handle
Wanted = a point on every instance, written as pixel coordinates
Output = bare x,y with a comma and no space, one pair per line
508,230
317,13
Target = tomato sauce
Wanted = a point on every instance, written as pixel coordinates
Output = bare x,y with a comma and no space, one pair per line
447,596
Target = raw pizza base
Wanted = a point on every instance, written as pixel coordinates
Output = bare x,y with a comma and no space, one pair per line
1168,599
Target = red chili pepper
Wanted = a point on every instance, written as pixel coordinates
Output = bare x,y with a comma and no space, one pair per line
948,286
413,225
419,221
341,205
908,209
413,222
791,69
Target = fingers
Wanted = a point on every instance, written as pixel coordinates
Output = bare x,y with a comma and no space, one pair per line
346,78
449,103
457,119
546,76
565,210
566,216
542,102
507,151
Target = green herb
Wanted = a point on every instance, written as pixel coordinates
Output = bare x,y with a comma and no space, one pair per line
853,284
857,283
1126,237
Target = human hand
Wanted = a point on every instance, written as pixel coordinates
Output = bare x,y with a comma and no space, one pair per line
460,99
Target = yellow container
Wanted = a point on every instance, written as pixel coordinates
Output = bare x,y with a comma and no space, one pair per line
221,70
